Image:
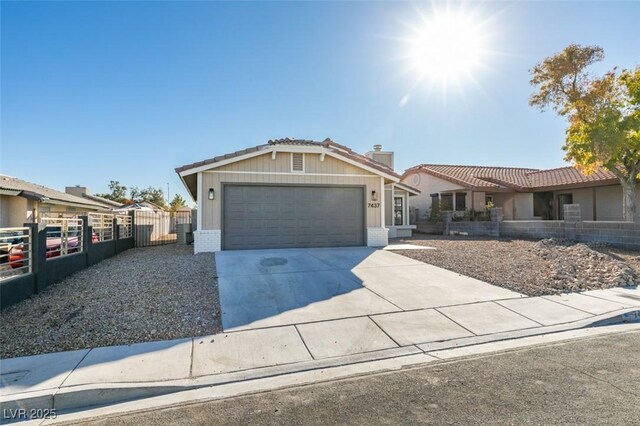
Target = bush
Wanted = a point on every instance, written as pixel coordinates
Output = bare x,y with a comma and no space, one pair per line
435,214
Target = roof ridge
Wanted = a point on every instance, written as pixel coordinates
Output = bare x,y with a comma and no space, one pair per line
556,168
471,166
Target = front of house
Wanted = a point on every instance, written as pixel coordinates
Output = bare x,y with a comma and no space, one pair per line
523,194
297,193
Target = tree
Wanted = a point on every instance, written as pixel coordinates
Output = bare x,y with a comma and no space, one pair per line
603,114
176,203
150,194
118,192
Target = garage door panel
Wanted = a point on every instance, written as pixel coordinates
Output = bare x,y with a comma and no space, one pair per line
294,216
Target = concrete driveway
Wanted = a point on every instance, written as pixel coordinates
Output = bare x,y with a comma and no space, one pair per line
266,288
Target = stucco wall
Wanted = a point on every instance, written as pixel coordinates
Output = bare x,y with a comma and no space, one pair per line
13,211
505,200
523,205
428,185
478,203
264,169
609,202
584,197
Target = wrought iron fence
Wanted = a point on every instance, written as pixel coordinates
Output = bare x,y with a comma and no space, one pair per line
102,226
15,252
64,236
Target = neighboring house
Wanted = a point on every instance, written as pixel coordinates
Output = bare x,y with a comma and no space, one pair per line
145,206
297,193
83,192
523,194
22,201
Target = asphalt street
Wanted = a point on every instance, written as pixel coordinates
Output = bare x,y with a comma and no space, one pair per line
594,381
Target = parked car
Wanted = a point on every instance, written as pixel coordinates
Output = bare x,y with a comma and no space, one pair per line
54,245
8,240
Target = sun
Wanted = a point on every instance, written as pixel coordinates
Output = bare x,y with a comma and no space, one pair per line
447,47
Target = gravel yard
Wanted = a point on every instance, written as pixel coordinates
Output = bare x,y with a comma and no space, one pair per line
531,267
143,294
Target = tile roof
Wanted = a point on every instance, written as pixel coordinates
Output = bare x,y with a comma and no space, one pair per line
568,176
477,177
42,192
327,143
521,179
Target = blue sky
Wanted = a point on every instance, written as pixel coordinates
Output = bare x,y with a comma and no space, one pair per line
130,90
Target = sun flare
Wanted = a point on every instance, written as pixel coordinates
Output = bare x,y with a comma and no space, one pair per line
447,47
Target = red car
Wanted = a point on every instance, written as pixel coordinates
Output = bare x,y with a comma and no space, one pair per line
54,249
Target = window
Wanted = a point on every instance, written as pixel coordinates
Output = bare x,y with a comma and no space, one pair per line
297,162
488,199
398,211
446,202
461,201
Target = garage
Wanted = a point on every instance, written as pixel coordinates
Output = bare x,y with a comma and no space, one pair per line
286,216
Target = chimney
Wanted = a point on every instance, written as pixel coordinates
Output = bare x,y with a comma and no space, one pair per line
77,190
384,157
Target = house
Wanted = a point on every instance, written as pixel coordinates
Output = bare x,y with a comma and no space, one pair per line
146,206
22,201
297,193
83,192
523,194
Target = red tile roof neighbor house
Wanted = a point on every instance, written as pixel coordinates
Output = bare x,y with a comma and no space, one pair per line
569,176
511,178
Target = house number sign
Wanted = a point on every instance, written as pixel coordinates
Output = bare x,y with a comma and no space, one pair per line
374,205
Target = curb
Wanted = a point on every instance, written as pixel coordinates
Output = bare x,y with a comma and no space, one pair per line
68,399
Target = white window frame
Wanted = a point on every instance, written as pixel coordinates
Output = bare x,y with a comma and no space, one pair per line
303,163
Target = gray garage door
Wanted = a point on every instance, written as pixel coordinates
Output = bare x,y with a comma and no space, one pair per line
292,216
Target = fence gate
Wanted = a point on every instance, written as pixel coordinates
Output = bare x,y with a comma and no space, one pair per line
153,228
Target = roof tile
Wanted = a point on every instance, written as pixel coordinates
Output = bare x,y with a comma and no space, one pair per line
522,179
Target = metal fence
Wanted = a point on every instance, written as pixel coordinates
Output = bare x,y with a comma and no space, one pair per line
64,236
125,225
102,226
154,228
15,252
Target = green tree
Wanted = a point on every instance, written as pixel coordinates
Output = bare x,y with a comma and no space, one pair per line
150,194
118,192
176,203
603,114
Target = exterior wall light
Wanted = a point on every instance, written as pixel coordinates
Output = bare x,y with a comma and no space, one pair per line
374,196
212,194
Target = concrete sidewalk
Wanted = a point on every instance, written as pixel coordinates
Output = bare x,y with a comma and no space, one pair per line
101,376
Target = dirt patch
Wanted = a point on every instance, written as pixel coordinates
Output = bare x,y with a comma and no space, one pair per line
534,268
141,295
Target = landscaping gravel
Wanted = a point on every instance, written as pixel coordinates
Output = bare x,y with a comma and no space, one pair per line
143,294
534,268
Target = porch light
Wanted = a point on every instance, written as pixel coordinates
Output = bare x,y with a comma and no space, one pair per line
374,196
212,194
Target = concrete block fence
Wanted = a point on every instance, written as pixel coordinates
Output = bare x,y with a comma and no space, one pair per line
45,272
615,233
